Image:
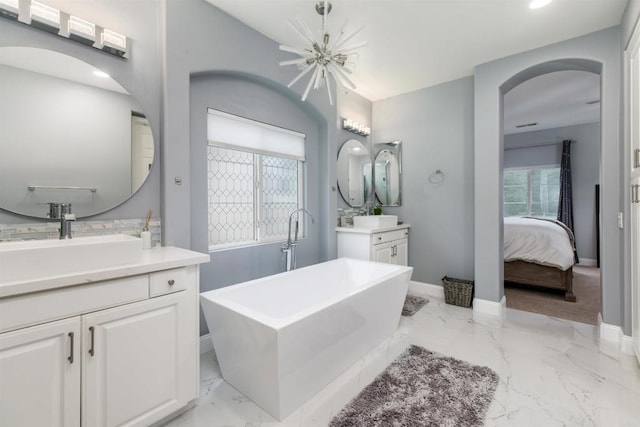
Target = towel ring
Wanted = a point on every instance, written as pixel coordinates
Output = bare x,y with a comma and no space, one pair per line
437,177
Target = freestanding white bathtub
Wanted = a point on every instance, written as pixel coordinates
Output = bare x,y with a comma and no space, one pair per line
282,338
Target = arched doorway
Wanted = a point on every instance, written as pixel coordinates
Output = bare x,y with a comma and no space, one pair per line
596,52
539,114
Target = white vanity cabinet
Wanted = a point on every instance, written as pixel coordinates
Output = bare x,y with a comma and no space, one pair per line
389,245
120,351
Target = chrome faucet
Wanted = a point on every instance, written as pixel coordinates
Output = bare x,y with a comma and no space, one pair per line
54,210
289,247
368,207
66,217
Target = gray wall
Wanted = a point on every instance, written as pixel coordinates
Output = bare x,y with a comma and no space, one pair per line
435,126
140,75
629,21
256,101
495,78
193,30
585,171
241,75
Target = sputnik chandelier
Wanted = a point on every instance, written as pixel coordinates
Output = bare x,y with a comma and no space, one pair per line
329,56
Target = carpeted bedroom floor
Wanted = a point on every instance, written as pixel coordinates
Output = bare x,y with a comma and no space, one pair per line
586,286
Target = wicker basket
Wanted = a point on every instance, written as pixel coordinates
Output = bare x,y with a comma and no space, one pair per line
458,291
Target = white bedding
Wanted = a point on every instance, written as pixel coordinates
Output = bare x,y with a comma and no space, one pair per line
541,242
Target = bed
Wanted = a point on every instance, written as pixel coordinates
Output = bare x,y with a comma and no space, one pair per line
539,252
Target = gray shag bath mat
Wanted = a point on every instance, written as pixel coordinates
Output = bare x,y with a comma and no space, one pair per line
412,304
422,388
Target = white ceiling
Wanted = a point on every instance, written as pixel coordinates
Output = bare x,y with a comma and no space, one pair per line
419,43
563,98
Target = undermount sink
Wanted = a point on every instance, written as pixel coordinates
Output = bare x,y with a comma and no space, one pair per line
36,259
375,221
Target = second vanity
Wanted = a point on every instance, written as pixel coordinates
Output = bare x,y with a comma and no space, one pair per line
384,244
101,347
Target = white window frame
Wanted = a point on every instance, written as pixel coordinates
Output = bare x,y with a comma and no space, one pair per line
227,143
529,191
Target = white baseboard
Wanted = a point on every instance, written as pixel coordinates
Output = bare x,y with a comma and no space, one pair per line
611,333
206,345
435,291
588,262
480,306
492,308
614,334
627,345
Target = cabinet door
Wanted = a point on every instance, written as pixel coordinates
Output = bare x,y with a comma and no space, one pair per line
135,358
40,375
401,252
635,267
633,64
382,253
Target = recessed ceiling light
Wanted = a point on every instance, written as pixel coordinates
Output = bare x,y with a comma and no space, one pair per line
537,4
102,74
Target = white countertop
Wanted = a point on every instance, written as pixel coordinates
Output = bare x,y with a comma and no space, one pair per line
371,230
160,258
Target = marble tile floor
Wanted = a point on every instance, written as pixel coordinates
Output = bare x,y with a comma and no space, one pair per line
552,373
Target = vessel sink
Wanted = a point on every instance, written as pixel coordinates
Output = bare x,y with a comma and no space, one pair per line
375,221
38,259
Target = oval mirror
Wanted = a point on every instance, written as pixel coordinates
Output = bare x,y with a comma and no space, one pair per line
354,173
388,173
68,134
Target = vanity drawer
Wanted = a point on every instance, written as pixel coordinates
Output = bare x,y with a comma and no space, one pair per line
167,281
388,236
32,309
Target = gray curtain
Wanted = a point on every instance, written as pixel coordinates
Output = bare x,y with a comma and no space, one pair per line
565,204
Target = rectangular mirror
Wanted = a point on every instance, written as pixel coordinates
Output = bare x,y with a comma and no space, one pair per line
387,173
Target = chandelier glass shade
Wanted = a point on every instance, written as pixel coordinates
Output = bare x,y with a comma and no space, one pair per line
324,57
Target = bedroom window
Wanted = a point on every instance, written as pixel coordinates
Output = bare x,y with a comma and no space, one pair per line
255,180
531,191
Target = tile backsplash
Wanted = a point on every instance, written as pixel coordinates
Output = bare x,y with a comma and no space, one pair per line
51,229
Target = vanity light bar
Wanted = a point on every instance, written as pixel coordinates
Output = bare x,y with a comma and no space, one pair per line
355,127
44,17
47,18
10,9
113,42
81,30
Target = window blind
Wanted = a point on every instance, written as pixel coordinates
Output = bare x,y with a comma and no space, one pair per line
229,131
